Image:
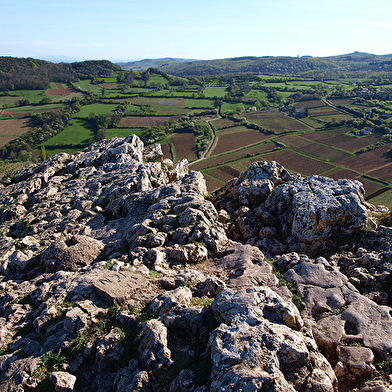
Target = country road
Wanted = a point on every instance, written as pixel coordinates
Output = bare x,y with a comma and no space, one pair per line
326,102
212,144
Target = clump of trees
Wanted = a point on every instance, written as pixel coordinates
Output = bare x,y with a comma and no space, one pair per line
45,126
108,120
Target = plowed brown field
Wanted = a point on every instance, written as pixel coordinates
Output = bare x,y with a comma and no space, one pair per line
11,129
60,90
148,121
185,145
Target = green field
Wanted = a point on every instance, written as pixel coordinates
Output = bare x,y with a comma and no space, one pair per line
185,94
215,91
85,85
34,96
229,107
97,109
133,109
160,110
163,106
257,94
200,103
154,79
33,108
77,134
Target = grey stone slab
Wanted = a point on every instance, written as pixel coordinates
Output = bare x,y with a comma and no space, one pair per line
118,287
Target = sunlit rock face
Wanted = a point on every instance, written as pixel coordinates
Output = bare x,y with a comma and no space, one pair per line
119,273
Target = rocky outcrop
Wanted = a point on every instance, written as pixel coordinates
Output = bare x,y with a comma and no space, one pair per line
253,186
71,253
317,211
119,273
282,212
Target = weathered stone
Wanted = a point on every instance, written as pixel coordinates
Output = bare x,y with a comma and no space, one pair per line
139,383
242,359
75,320
187,318
153,153
72,253
184,382
316,274
165,301
109,348
118,287
358,360
154,353
254,304
44,319
186,254
255,184
146,213
63,381
210,287
316,210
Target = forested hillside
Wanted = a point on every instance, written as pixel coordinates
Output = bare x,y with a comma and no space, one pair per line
32,74
319,66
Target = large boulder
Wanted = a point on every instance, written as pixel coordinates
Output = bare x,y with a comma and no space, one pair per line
317,211
254,185
72,253
279,211
256,347
340,316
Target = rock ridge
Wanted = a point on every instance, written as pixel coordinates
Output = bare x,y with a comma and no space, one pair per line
120,273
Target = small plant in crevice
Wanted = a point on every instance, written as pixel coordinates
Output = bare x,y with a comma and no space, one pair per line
384,368
146,314
108,265
50,362
155,274
292,286
202,301
96,330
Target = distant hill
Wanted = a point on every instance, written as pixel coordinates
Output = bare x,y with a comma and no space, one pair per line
284,65
143,65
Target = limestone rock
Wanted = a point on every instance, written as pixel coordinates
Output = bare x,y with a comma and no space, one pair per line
183,382
153,153
109,347
316,210
186,318
72,253
254,304
210,287
63,381
154,353
165,301
116,227
254,185
117,287
358,360
266,356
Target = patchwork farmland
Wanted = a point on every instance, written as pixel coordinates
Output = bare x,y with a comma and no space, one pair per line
240,126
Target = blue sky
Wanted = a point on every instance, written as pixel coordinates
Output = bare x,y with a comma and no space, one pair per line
129,29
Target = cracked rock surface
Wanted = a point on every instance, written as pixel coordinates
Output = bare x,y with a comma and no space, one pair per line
119,273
